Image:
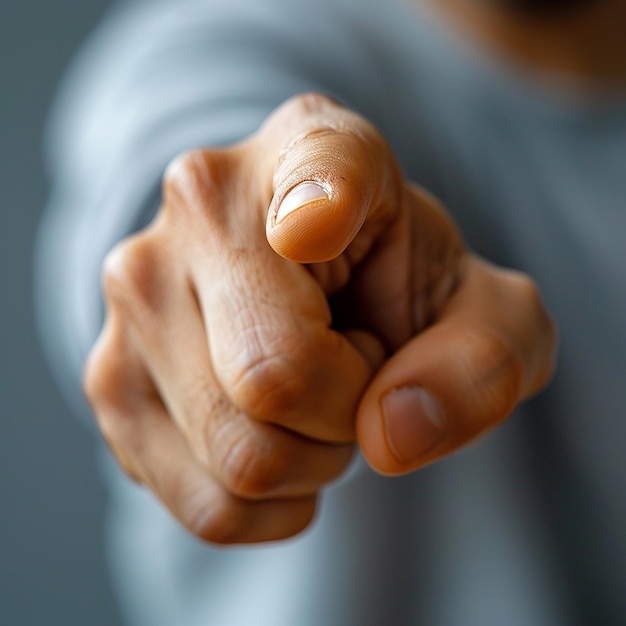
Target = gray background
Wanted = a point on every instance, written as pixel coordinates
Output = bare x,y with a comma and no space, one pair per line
52,569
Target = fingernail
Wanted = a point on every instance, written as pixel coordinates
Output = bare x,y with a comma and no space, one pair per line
299,196
414,422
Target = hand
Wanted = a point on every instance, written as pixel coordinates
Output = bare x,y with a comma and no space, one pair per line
245,350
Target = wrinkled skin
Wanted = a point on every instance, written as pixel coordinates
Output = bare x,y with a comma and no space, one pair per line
244,357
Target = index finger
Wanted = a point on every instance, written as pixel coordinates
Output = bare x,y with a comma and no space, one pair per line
333,164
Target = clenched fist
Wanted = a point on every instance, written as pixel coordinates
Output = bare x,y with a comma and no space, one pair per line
295,295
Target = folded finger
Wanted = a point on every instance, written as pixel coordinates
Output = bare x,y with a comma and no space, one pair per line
250,458
153,451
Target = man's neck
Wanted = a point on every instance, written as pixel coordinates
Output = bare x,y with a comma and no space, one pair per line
586,45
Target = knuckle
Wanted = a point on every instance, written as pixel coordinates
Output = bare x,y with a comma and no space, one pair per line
112,413
227,520
129,272
180,168
131,276
305,104
545,334
494,371
109,391
193,182
252,468
528,291
111,409
269,387
217,530
215,517
530,300
104,380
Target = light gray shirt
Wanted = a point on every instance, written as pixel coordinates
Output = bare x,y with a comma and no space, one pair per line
525,527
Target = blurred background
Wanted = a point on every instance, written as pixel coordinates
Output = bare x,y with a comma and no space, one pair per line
52,568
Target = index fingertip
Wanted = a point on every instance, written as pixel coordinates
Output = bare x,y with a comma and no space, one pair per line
306,225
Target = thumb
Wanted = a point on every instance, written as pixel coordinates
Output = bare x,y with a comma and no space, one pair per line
492,346
336,178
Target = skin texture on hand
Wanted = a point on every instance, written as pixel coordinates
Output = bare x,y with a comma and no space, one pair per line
295,296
